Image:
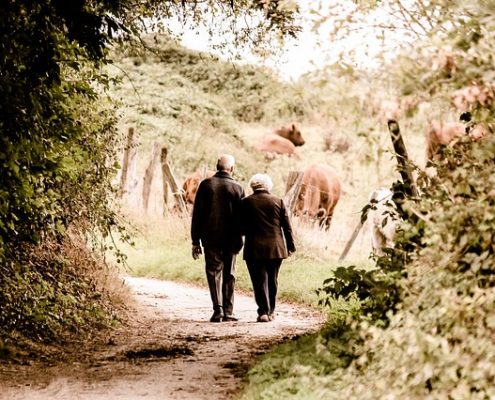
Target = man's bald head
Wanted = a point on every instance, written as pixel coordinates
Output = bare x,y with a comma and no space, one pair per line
225,163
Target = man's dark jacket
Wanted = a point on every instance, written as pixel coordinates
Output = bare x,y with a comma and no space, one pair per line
266,226
215,219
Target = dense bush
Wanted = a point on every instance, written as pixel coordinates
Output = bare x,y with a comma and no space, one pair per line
55,290
56,164
439,344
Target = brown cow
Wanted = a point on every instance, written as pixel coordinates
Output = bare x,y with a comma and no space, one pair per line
438,134
282,141
273,144
318,195
191,184
291,133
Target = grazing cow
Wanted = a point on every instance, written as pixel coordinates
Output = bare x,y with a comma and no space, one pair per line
438,134
319,193
282,141
383,219
191,184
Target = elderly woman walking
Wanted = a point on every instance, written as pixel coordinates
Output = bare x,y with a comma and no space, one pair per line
268,240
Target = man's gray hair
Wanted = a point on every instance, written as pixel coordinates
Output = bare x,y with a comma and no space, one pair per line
225,162
261,182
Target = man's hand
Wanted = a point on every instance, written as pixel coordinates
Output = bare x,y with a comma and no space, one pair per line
196,251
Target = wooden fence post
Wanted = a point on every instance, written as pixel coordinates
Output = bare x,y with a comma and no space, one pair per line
163,162
129,156
148,174
402,158
169,180
351,240
292,189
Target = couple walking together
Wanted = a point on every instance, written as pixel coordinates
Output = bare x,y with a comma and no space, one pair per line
221,216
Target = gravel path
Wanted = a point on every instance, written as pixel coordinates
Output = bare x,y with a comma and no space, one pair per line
170,350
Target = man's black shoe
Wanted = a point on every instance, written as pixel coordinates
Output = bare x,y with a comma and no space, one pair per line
216,317
230,317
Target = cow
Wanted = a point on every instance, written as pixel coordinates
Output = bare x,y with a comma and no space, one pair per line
438,134
383,219
191,184
292,133
318,194
273,145
281,141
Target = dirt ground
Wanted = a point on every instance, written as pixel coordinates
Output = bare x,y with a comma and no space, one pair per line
169,350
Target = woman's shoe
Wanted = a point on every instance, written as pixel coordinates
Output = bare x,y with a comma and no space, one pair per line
263,318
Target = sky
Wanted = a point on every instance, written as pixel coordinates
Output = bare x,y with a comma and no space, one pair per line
312,49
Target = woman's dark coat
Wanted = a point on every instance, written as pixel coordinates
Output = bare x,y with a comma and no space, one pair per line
266,226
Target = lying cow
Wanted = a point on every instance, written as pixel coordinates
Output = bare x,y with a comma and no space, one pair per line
292,133
383,219
191,184
282,141
273,145
319,193
438,134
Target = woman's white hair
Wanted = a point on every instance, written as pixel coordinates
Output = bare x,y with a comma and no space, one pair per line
261,182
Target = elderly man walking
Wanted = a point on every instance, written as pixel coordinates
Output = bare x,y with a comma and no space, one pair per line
215,226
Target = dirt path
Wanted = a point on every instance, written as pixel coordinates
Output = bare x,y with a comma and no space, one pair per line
169,351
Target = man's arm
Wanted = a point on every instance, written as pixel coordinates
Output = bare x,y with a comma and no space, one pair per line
197,218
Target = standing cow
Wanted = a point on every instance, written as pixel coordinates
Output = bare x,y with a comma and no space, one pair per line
282,141
319,193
